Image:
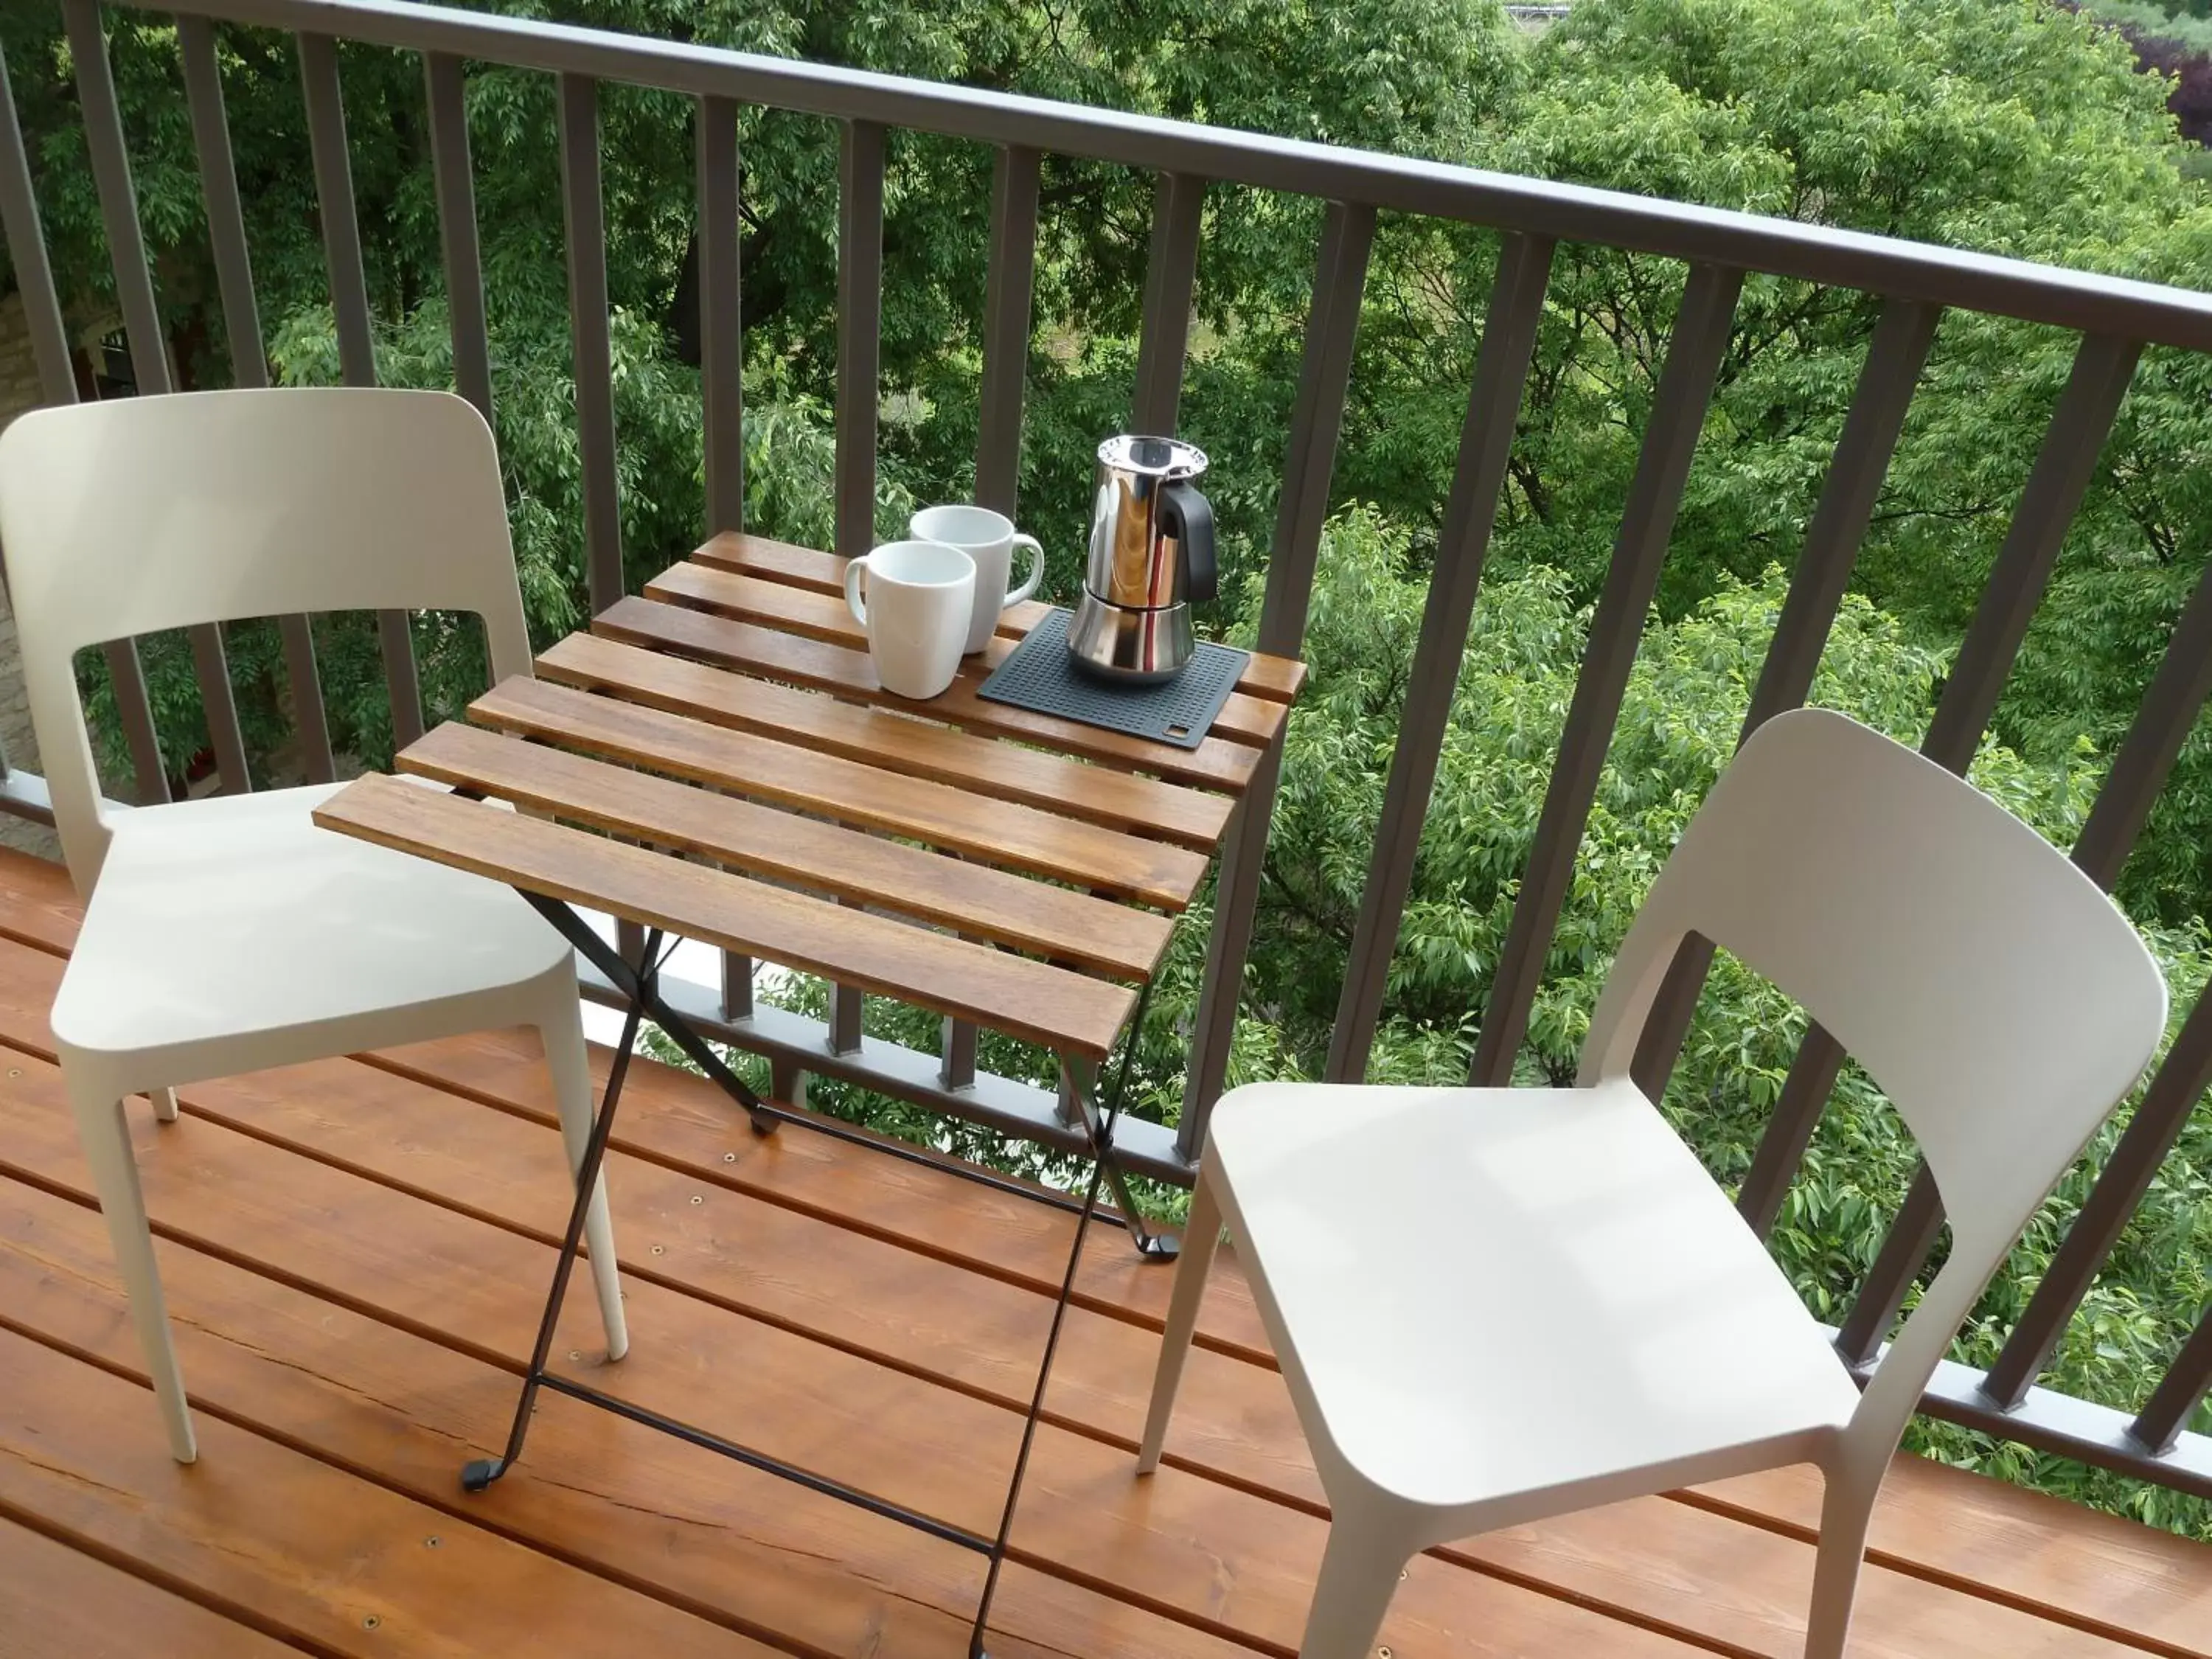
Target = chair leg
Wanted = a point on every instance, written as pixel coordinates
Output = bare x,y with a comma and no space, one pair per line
1847,1516
561,1028
1201,1237
1358,1576
106,1141
165,1105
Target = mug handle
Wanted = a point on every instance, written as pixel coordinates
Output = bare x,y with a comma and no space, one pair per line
1037,570
853,601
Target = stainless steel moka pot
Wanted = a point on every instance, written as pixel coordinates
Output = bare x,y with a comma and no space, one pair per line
1152,554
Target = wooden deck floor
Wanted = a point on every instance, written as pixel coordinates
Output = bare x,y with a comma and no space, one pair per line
355,1252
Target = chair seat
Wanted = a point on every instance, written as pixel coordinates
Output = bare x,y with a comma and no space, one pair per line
235,917
1505,1292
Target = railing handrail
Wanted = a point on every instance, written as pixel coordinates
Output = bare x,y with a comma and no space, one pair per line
1829,255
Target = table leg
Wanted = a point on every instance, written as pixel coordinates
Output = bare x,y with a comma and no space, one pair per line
1158,1247
638,983
484,1471
1078,1083
640,988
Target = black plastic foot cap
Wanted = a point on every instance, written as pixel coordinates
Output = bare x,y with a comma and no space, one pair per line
482,1473
1160,1247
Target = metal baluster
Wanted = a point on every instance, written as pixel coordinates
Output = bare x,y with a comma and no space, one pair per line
457,228
592,352
2173,1093
1671,438
234,265
249,367
2061,472
1911,1236
722,384
326,142
860,345
1332,327
27,253
584,215
1485,444
1007,307
846,1003
2162,724
1171,278
1008,286
2159,1424
34,280
149,366
957,1052
19,226
1892,371
722,355
860,330
2102,369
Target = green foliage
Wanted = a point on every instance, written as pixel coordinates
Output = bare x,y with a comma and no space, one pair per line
2010,126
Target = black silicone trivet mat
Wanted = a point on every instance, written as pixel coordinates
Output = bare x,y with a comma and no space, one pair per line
1042,677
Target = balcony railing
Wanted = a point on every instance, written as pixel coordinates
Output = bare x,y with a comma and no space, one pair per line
1915,284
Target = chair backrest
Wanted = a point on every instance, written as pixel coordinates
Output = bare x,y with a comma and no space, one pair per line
122,518
1991,989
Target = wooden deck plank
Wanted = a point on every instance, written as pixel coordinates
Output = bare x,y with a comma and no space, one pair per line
797,610
1275,677
680,1365
969,897
1682,1565
655,1515
1032,1000
681,1123
1021,837
894,741
291,1544
862,1293
1216,763
2128,1581
1235,1429
1207,1554
1749,1588
56,1603
679,1118
1669,1579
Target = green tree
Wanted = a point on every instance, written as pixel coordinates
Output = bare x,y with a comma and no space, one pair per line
2008,125
1391,75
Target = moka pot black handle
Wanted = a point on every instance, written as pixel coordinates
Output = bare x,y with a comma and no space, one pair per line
1188,517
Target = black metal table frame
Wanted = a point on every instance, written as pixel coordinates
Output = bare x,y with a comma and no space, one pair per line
639,985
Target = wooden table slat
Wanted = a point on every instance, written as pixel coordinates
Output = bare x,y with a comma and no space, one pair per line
1000,832
1276,679
813,616
880,737
973,898
1216,763
1063,1010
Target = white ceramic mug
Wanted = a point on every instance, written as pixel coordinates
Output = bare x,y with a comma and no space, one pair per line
990,539
919,595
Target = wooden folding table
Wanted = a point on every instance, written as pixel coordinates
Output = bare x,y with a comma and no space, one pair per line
716,761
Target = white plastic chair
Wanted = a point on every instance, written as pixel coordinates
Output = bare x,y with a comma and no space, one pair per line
1495,1305
230,934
